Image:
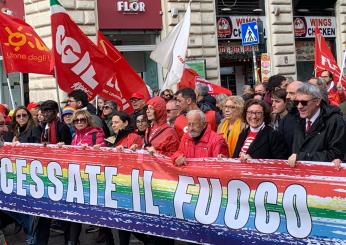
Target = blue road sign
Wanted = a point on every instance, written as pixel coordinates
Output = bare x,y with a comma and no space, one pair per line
249,33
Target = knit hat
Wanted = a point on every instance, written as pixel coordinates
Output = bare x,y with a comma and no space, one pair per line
68,110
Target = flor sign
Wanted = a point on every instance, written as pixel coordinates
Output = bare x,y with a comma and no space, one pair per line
130,6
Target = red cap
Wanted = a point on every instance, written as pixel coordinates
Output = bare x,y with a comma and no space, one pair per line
32,105
137,96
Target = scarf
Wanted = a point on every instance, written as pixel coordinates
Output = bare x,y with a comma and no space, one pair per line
52,134
231,137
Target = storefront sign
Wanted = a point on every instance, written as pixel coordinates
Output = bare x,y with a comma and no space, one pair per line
129,14
234,48
304,26
265,67
229,27
15,8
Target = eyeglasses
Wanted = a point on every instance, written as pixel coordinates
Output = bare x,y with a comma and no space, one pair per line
21,116
107,107
324,76
48,111
230,107
80,121
169,111
141,121
70,101
254,113
302,102
2,123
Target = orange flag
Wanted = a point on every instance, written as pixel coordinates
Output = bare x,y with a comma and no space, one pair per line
22,49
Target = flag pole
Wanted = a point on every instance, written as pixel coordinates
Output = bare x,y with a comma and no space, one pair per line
57,93
10,90
8,82
342,67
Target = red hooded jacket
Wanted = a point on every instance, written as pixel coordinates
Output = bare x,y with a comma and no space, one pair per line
160,135
210,144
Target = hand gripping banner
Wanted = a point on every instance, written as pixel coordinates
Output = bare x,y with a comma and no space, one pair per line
208,201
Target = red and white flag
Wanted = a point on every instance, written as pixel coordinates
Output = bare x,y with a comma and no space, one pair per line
125,82
191,77
22,49
324,59
79,64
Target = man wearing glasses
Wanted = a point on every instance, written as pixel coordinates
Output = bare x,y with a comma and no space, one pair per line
320,133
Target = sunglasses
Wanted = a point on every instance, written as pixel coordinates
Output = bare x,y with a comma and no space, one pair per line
302,102
107,107
21,116
141,121
80,121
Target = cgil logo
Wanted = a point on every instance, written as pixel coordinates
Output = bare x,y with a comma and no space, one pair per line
71,53
131,6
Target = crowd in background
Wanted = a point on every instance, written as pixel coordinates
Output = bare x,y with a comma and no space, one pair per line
279,119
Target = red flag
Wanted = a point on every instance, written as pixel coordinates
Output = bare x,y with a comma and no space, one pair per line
190,78
126,80
324,59
22,49
79,63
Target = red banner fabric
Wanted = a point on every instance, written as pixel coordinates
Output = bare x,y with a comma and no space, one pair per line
324,59
23,50
126,80
190,78
79,63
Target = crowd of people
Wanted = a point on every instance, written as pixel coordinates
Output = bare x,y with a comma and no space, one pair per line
280,119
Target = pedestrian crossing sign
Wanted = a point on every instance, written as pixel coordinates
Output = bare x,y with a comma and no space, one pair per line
249,33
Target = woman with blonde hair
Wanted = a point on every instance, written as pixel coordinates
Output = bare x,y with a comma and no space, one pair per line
232,124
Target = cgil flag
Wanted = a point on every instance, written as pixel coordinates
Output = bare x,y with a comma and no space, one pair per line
22,49
190,78
125,82
171,52
324,59
79,64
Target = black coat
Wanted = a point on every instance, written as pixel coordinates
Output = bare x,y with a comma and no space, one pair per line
287,126
32,135
268,144
325,141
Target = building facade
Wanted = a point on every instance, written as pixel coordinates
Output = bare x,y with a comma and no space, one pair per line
214,49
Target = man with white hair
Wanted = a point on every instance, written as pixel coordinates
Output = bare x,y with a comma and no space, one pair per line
199,141
320,133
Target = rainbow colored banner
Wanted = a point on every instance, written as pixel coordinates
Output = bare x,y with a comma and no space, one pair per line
208,201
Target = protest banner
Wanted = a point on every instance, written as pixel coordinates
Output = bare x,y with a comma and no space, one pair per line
215,201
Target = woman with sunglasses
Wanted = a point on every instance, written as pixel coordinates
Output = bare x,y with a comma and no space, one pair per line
86,134
259,140
24,128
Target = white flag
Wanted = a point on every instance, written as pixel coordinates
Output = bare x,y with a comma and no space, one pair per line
171,52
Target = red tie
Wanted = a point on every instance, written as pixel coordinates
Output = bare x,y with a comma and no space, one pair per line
308,126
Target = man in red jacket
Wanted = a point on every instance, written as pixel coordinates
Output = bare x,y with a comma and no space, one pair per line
199,141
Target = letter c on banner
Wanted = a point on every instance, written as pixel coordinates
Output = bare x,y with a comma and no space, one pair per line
298,218
266,221
238,208
6,184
